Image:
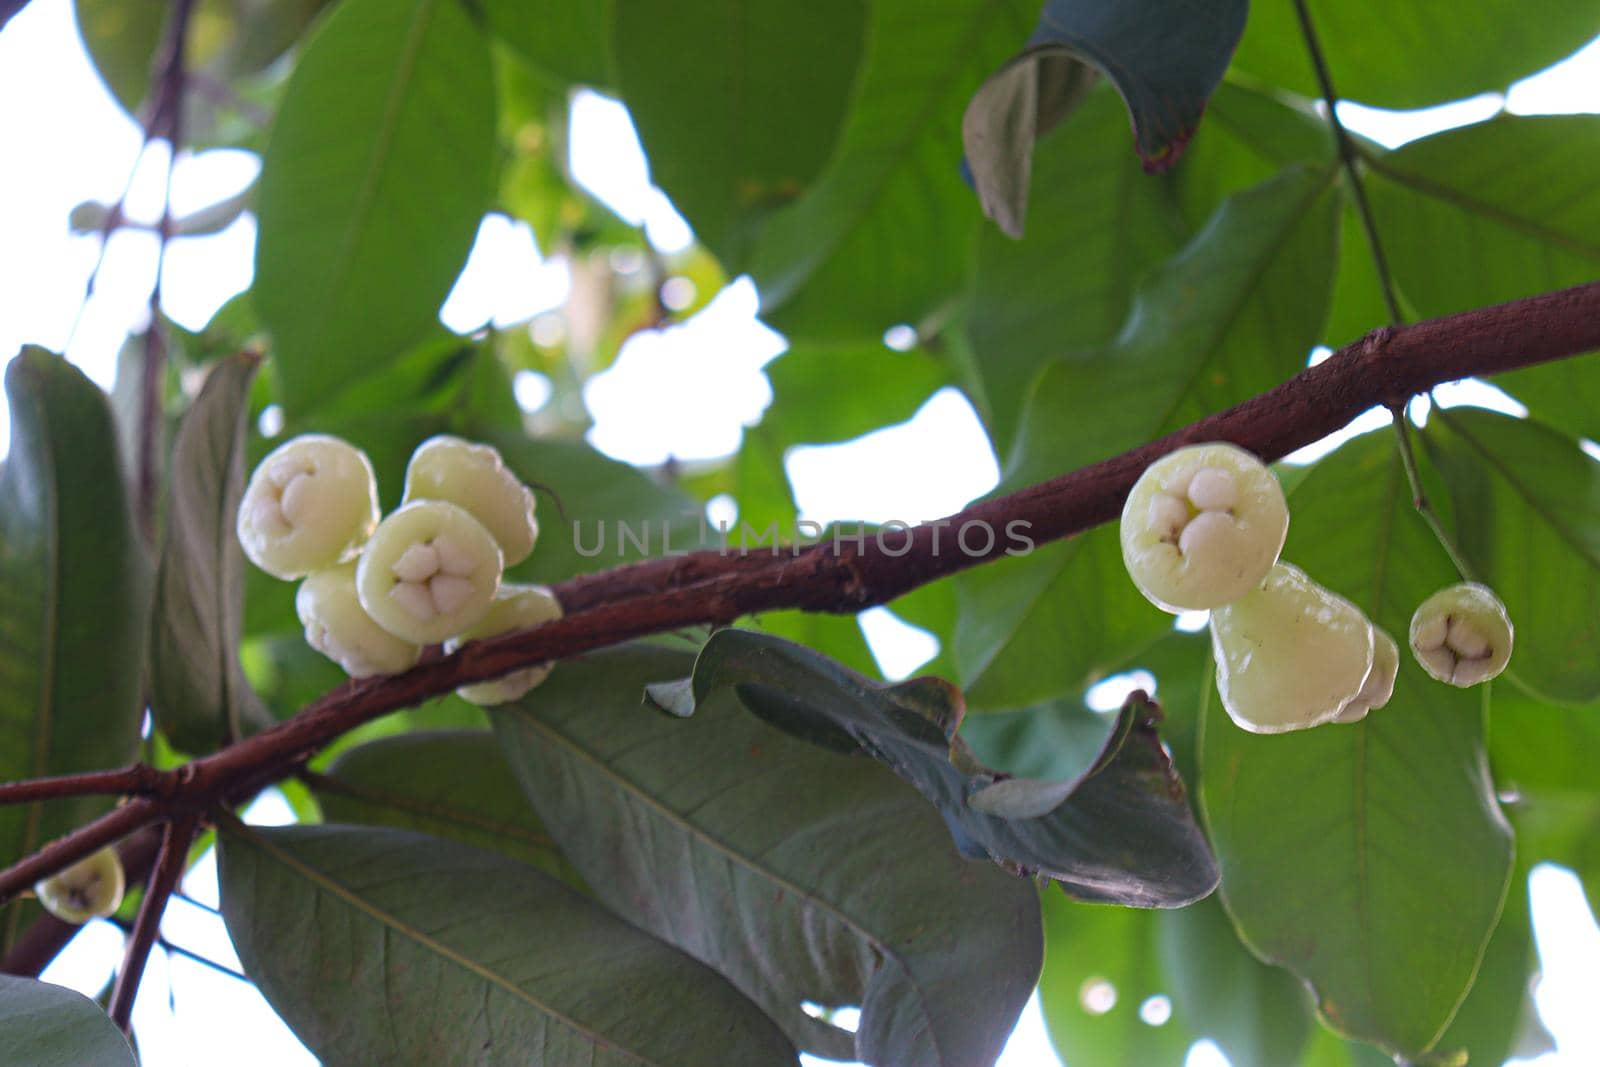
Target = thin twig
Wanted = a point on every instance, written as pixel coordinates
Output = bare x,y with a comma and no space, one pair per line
176,949
147,927
63,852
141,779
1349,155
1419,498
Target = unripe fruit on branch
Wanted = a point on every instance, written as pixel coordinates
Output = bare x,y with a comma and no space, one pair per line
339,627
474,477
1202,527
1291,654
1462,634
1379,686
429,572
515,607
89,889
309,505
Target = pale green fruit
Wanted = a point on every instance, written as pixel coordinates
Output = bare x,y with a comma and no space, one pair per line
429,572
474,477
515,607
338,627
1291,654
1462,634
1379,686
1202,527
89,889
309,504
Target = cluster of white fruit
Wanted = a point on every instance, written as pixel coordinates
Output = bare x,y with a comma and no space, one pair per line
374,593
1202,530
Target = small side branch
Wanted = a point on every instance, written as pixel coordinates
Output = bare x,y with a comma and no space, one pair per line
63,852
141,779
147,927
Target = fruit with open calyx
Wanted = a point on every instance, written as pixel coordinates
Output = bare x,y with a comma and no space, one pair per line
1379,686
475,477
1291,654
89,889
515,607
1462,634
1202,527
339,627
309,504
429,572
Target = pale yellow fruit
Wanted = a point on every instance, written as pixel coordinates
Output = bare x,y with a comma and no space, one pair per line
1462,634
1379,686
475,477
429,572
515,607
1202,526
90,889
1291,654
309,505
339,627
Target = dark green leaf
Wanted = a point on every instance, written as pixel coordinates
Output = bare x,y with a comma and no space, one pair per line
451,784
1527,504
883,236
373,183
1164,60
570,40
811,402
408,949
1371,859
1414,54
74,588
1121,833
749,124
48,1026
799,874
198,690
1232,315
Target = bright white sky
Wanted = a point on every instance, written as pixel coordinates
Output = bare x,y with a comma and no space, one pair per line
687,391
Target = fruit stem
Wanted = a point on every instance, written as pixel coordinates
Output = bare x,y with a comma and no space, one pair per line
1419,499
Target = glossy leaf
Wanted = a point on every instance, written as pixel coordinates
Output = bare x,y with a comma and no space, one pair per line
1428,51
198,690
415,950
1527,504
1121,833
74,590
802,875
709,126
451,784
1164,60
371,189
50,1026
883,235
1247,297
1372,858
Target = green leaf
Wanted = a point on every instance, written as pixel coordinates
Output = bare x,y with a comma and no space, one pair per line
376,174
1527,504
410,949
1235,313
448,783
570,40
199,694
800,874
1414,54
1122,832
1371,859
74,589
883,236
49,1026
810,406
1164,60
1462,228
748,126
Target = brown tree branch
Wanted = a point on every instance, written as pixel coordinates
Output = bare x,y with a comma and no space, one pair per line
140,779
1386,367
168,869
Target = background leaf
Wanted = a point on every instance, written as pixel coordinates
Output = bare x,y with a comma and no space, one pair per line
371,188
74,587
48,1026
569,40
415,950
839,893
199,694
